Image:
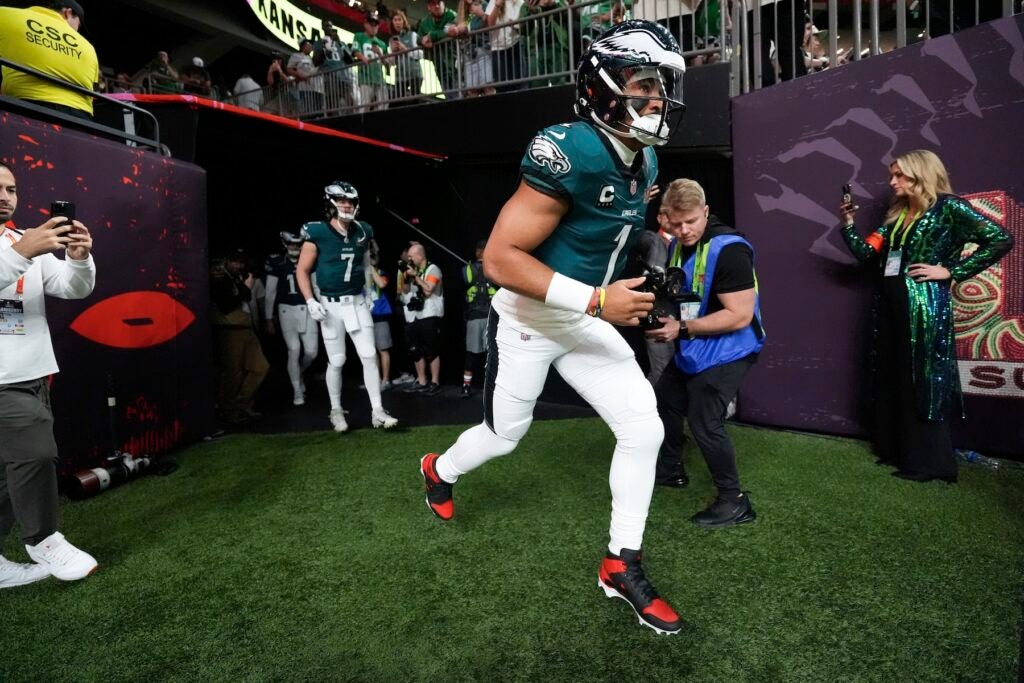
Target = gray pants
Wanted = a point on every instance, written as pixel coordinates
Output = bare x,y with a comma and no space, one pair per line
28,461
659,355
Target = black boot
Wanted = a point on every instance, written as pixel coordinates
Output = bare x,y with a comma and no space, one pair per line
670,473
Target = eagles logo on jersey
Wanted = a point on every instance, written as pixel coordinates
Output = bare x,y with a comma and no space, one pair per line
606,200
544,152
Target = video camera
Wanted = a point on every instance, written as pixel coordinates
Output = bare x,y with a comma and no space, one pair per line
669,289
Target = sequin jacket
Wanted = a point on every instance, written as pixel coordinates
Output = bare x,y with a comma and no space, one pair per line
937,237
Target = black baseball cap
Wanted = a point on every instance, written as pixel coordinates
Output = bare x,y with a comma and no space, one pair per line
372,18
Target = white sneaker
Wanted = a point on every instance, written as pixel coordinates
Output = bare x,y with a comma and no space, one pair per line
404,378
63,560
299,400
382,419
338,420
13,574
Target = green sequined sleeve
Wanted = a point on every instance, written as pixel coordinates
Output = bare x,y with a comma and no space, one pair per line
856,244
969,226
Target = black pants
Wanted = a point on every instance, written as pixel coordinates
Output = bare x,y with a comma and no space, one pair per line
28,461
902,437
701,399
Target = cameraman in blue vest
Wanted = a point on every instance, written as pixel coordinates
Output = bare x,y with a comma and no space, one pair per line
717,341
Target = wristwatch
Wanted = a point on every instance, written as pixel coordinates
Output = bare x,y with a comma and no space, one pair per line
684,331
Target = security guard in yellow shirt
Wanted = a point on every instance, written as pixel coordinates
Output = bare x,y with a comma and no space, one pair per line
47,40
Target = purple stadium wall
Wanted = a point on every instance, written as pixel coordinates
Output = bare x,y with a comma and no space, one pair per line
961,96
143,333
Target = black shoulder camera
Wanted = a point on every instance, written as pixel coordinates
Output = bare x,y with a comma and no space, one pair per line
404,265
416,302
669,289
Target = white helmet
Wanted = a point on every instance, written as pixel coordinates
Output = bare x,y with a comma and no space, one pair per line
337,191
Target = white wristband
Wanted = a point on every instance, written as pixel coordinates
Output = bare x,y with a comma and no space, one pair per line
572,295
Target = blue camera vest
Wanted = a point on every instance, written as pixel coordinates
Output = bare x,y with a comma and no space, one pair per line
697,355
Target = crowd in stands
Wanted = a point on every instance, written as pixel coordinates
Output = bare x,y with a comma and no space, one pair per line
469,48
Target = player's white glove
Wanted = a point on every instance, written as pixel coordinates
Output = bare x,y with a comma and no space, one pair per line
316,310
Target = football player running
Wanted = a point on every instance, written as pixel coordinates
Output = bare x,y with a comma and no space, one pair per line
339,249
300,332
557,247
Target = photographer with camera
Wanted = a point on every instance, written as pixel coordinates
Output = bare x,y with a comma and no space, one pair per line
423,296
241,365
719,339
28,475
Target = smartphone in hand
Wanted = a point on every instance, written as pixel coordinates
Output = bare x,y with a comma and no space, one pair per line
847,194
63,209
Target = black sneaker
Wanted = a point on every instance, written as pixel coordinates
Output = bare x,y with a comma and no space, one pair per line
439,492
671,476
432,389
622,576
415,388
725,512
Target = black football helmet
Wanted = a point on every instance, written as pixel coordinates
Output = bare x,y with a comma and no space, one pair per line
640,56
292,243
337,191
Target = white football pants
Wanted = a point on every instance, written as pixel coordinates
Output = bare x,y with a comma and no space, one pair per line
598,363
351,316
300,336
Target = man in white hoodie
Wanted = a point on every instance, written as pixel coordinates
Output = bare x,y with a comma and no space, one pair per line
28,452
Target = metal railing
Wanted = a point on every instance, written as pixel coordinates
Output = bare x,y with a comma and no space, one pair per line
775,42
129,137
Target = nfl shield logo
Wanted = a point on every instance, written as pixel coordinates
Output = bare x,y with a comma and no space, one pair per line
632,187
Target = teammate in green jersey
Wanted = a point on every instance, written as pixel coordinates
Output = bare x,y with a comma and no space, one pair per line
556,250
339,250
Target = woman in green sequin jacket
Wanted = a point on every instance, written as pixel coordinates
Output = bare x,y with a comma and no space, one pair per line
919,252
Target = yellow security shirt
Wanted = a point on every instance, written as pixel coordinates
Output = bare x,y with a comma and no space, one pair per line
40,38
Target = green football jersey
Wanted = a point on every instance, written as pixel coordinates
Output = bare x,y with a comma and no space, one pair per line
340,261
372,73
576,162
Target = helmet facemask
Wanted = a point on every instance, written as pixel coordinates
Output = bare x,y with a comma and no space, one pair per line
635,87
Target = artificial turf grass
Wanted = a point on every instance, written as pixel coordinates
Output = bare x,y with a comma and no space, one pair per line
313,557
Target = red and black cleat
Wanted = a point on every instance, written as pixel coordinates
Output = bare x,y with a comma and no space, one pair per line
439,492
622,576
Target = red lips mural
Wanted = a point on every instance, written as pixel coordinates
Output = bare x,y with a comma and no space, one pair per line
134,320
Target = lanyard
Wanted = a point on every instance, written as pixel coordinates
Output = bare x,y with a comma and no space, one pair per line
906,230
20,289
700,264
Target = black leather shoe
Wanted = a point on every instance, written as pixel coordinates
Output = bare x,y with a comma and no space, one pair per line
676,479
725,512
911,476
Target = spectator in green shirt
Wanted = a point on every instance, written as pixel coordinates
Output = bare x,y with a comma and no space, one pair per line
370,50
439,24
547,40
